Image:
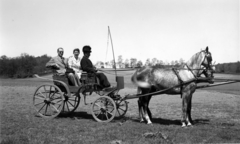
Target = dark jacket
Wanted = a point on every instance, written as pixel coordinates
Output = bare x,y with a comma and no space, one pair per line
87,65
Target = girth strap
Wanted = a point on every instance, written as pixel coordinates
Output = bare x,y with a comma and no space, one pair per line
191,71
177,73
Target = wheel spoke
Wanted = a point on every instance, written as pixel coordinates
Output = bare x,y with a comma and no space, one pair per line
67,106
52,94
118,112
54,108
109,106
56,98
50,91
41,107
96,110
63,105
72,99
56,102
45,91
40,97
59,106
70,104
106,115
97,105
121,109
109,113
112,110
39,103
41,94
46,109
98,114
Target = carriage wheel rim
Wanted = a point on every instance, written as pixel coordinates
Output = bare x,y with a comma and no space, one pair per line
106,109
48,101
122,107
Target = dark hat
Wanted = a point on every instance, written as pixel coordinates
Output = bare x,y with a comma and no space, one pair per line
86,49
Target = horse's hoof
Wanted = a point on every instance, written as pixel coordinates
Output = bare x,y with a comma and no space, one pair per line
150,123
184,125
190,125
141,121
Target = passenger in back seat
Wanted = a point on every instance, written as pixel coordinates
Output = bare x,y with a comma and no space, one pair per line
59,65
74,62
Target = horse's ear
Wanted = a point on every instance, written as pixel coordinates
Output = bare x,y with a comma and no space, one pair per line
207,49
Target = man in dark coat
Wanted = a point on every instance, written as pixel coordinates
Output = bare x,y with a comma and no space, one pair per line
88,67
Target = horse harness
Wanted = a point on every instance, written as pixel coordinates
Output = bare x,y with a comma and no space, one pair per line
176,71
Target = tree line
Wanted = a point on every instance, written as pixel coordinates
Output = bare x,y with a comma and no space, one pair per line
228,68
26,65
133,63
23,66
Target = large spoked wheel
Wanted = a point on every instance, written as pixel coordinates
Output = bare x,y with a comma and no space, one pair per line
103,109
48,101
122,107
70,103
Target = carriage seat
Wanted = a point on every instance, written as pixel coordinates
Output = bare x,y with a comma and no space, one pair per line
62,78
89,78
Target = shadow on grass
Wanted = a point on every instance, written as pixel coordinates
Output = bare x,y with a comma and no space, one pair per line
175,122
78,115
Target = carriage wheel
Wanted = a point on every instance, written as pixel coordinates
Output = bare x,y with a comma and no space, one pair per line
48,100
71,103
122,107
103,109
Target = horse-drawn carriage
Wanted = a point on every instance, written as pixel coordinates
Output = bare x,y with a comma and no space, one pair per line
50,100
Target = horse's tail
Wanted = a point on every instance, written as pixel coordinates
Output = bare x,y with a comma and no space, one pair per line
140,79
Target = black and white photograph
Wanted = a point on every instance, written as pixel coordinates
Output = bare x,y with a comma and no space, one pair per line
119,71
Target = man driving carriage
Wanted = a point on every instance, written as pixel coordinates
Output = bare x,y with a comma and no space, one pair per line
59,66
88,67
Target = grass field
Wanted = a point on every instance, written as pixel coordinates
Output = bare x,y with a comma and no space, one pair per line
216,115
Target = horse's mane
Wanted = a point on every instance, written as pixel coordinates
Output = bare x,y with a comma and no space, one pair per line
195,61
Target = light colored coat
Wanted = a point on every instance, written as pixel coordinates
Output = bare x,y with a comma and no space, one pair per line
61,62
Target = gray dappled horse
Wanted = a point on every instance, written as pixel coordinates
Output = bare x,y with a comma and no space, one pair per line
150,79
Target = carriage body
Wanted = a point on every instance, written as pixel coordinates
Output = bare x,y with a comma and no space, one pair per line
51,100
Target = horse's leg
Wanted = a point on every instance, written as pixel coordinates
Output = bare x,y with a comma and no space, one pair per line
140,106
148,110
140,110
146,113
189,107
145,103
185,97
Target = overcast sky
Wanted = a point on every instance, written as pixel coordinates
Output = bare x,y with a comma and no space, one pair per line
163,29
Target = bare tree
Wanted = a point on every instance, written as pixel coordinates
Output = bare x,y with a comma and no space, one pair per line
181,61
133,62
148,63
120,61
154,61
126,63
139,63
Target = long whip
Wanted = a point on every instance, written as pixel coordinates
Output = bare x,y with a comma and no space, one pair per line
109,33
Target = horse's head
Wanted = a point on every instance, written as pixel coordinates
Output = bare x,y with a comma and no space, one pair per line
206,64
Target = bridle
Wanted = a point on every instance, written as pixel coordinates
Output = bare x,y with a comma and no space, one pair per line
207,70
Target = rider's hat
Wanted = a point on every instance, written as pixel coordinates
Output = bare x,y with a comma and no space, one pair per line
86,49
